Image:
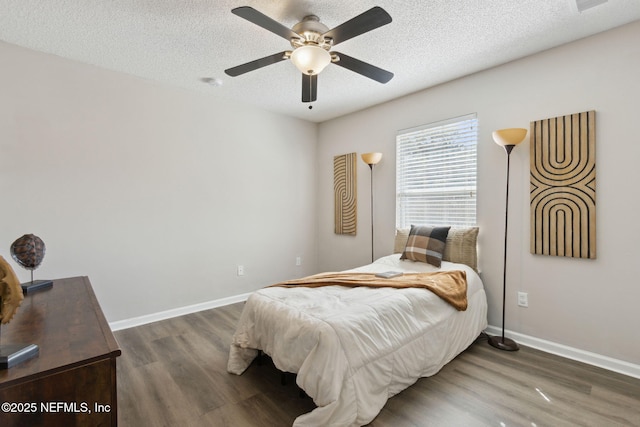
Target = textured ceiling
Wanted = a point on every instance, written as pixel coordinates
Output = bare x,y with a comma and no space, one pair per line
182,42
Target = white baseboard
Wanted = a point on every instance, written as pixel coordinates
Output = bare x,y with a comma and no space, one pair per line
594,359
175,312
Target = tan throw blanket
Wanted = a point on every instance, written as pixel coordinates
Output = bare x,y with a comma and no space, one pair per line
451,286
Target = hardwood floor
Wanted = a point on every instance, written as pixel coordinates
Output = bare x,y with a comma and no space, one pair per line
174,373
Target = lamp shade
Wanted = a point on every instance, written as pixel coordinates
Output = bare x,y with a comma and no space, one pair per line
511,136
310,59
372,158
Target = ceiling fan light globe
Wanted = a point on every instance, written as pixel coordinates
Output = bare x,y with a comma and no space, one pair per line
310,59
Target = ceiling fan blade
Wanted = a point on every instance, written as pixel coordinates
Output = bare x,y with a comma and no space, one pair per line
309,88
254,65
367,70
367,21
262,20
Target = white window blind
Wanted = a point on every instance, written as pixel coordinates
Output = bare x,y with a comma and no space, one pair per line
436,173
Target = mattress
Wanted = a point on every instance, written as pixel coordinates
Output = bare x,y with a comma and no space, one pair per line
354,348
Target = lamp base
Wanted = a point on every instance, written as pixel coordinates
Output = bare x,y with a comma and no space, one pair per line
506,344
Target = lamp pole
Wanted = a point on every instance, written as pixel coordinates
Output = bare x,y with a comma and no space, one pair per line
371,167
372,159
505,343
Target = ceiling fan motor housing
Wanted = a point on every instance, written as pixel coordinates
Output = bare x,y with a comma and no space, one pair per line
310,29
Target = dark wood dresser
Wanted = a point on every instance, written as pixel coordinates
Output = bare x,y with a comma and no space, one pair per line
72,382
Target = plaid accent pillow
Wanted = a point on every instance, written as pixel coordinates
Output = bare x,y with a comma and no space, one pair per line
461,245
426,244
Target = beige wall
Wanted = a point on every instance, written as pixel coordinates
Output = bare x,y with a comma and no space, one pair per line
154,193
590,305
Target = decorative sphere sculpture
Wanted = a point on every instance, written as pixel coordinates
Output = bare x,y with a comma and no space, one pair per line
28,251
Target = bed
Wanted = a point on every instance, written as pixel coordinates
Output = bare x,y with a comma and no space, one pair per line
352,348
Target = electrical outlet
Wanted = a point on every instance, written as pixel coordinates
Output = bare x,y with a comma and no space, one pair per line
241,270
523,299
298,260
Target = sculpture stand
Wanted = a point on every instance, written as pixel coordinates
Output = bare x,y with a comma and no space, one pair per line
12,354
35,285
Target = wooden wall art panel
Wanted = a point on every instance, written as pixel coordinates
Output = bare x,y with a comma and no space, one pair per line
563,186
345,196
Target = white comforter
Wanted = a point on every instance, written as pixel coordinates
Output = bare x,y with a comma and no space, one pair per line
354,348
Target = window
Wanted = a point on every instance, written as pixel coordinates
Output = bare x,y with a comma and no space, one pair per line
436,173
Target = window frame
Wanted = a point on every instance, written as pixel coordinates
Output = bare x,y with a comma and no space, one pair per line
428,190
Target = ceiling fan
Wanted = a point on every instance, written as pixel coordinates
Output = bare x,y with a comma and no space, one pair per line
312,42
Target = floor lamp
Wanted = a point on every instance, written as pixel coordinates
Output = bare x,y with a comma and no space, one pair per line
372,159
508,138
